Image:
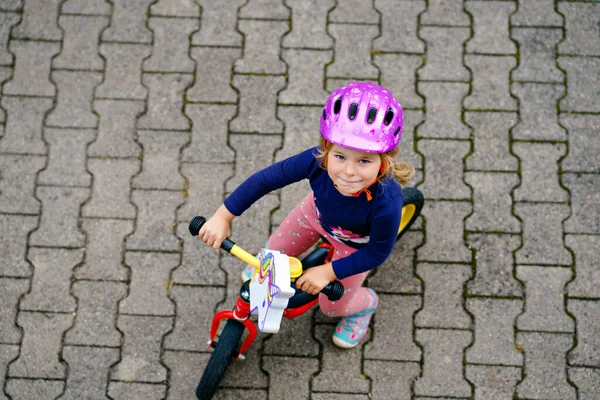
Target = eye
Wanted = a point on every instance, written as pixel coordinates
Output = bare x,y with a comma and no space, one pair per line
365,161
339,157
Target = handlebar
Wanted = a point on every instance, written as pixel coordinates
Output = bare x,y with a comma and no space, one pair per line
334,290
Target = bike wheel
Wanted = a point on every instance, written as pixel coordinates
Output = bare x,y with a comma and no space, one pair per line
224,352
411,209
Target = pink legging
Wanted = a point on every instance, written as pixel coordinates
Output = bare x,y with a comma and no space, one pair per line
298,232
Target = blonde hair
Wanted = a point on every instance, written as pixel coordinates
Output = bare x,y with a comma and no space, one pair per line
400,171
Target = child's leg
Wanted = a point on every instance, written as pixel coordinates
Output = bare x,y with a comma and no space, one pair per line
356,298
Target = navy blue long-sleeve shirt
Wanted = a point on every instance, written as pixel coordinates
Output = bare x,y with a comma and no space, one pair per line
370,226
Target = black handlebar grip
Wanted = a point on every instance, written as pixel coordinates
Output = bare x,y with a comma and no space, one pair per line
196,224
334,291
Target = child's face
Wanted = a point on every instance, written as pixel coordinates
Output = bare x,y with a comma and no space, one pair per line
352,170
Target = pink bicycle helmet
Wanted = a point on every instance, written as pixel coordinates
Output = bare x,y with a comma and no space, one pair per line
363,116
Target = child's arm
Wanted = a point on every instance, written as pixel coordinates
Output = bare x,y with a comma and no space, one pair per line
313,280
217,228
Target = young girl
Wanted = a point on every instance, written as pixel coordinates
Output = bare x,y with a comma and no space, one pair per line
355,203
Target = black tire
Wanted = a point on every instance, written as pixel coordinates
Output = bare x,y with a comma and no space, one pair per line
413,204
225,350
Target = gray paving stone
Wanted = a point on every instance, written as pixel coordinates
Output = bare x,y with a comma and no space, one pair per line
491,151
442,297
399,26
88,367
408,150
7,21
354,11
352,57
13,262
587,350
302,87
41,345
95,318
583,78
115,135
396,274
39,21
490,86
309,24
140,354
31,75
493,382
66,157
331,377
12,5
494,332
398,75
17,183
494,262
110,197
581,25
214,65
23,127
264,9
253,153
290,376
7,354
149,286
295,338
538,112
549,247
195,310
587,381
492,204
219,24
165,101
23,389
211,148
50,286
90,7
133,390
123,74
584,149
545,374
160,163
253,228
74,101
393,329
443,108
444,13
104,249
491,27
537,50
155,220
442,363
444,238
11,290
443,163
539,172
587,275
391,377
338,396
444,54
80,43
128,22
58,221
179,8
184,371
585,206
536,13
170,52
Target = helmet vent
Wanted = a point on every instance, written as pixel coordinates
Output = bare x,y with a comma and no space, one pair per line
389,115
337,106
352,111
324,114
397,131
372,114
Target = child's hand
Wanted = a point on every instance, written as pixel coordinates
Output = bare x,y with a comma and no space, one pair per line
217,228
313,280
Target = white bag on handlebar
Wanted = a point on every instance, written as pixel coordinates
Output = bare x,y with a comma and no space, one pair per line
270,289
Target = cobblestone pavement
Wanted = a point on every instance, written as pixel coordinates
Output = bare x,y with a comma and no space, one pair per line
122,119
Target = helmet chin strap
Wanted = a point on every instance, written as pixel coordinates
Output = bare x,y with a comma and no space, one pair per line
366,191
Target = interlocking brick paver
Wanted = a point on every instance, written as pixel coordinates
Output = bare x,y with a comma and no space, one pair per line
399,27
10,290
444,13
587,280
306,32
491,150
587,381
123,74
584,149
8,352
80,43
90,7
170,51
493,382
491,27
443,166
537,62
180,8
128,22
74,101
391,378
17,183
398,75
219,24
584,78
295,338
585,206
264,9
587,314
492,203
494,255
13,246
12,5
23,127
536,13
41,345
160,161
491,92
444,54
290,376
538,112
352,57
7,21
581,25
134,390
23,389
95,319
50,284
336,396
302,88
354,11
262,44
184,375
39,21
214,65
88,376
252,153
165,101
408,150
443,102
257,101
115,134
545,374
31,75
203,196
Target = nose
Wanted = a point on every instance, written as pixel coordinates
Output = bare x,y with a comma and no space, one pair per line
350,169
